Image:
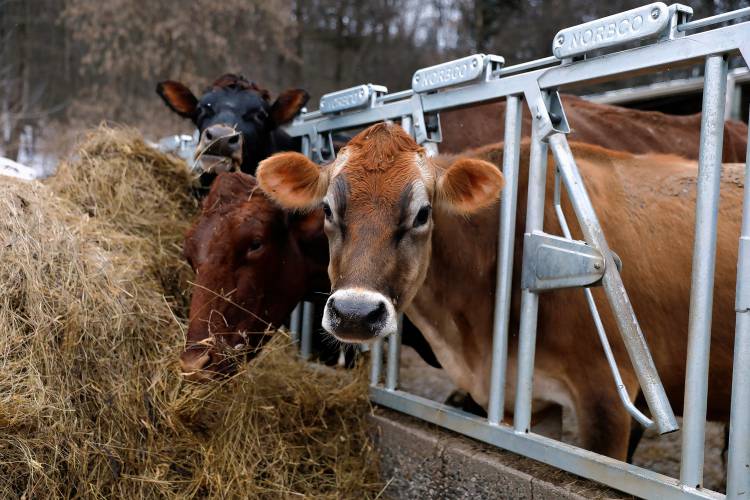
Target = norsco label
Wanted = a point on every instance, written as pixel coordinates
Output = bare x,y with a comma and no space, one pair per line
447,74
635,24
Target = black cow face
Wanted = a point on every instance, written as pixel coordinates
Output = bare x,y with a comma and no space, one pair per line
237,122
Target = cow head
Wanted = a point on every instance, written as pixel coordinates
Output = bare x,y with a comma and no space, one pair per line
253,262
236,119
378,196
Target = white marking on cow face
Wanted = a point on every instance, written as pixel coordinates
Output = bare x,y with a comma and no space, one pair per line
358,315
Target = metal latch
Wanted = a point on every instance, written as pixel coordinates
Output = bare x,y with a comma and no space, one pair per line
552,262
456,72
361,96
655,20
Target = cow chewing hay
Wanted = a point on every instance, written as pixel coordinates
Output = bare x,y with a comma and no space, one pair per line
91,401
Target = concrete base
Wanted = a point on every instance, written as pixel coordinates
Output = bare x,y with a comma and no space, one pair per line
422,461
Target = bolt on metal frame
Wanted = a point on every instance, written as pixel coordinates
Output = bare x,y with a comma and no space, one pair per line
459,83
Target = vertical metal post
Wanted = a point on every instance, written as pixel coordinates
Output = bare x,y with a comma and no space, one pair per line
406,124
294,322
376,361
394,355
704,260
738,463
530,300
308,308
505,247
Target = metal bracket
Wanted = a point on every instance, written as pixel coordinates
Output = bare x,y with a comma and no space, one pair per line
459,71
552,262
549,120
654,20
361,96
426,127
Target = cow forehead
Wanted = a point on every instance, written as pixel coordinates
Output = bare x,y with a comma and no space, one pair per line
384,180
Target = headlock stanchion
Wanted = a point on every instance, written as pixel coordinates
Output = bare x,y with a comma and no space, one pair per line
651,38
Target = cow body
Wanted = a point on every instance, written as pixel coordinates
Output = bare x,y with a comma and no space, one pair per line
441,270
613,127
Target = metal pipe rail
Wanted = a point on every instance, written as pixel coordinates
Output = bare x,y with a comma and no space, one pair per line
537,82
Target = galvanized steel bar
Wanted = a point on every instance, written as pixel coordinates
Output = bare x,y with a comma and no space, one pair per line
738,462
627,323
394,355
629,478
505,246
295,321
719,18
376,361
308,309
530,300
704,260
668,54
622,391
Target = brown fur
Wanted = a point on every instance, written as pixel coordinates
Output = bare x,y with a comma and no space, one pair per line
612,127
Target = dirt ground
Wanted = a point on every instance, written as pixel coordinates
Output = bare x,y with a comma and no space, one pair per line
658,453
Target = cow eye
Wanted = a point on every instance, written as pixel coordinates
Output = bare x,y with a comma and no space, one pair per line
255,245
327,210
422,216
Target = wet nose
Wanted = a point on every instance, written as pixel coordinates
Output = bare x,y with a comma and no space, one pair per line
223,141
193,364
356,318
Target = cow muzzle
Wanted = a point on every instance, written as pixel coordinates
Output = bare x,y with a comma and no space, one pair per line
356,315
219,150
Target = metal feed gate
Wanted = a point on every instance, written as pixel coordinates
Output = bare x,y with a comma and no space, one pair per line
592,52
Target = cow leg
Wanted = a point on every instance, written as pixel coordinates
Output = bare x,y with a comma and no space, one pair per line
603,423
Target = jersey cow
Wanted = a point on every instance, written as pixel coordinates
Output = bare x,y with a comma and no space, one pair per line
253,263
419,235
237,122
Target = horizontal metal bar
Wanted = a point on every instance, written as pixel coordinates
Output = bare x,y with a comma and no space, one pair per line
661,89
666,54
719,18
619,475
518,68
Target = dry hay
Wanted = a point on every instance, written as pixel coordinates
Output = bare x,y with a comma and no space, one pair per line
91,402
117,178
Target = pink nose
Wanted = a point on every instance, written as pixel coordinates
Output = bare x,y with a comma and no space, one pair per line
193,363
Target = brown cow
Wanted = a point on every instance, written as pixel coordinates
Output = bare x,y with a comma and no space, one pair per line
417,234
253,262
613,127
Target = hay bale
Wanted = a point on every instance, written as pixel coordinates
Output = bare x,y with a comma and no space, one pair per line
91,401
119,179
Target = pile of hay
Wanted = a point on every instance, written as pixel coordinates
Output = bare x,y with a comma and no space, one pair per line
91,400
118,179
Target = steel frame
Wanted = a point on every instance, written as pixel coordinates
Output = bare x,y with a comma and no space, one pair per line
537,82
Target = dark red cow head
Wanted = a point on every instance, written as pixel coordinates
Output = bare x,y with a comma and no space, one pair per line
253,262
237,121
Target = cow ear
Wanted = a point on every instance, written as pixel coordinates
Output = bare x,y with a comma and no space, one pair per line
178,97
287,105
292,180
468,185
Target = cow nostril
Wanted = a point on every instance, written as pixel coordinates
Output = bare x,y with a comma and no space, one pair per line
209,135
376,314
234,139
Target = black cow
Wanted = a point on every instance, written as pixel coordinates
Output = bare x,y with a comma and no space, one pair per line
237,122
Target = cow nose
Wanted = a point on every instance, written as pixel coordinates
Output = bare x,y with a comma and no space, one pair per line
193,364
221,141
358,316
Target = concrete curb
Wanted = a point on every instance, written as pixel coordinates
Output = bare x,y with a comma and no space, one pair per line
422,461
